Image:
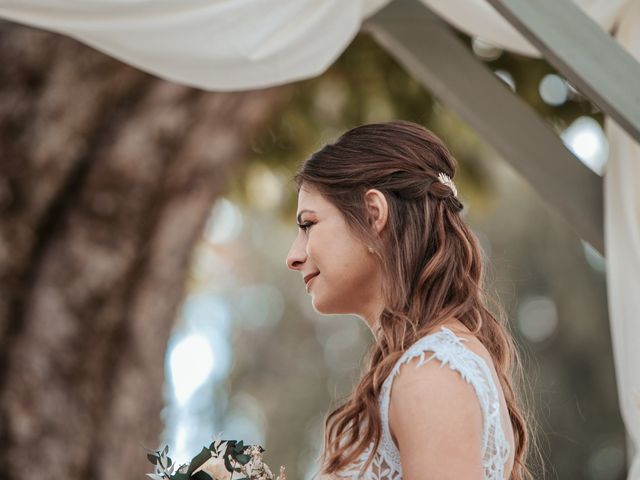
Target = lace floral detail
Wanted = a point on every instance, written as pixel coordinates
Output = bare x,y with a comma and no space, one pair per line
449,350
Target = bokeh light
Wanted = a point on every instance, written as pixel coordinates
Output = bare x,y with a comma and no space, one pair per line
191,361
586,139
608,461
224,224
537,318
485,50
553,90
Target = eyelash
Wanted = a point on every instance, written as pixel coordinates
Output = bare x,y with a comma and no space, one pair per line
305,226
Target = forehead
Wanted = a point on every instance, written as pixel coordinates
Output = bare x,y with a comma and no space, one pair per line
311,201
309,198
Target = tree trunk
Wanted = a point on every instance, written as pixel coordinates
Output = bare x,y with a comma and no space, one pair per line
107,177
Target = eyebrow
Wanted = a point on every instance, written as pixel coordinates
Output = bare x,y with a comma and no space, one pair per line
301,212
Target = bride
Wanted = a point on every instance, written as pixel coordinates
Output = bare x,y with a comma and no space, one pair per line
381,237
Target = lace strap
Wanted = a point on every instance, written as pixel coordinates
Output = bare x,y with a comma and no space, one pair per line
449,350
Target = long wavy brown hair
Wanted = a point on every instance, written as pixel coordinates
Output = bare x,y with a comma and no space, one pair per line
432,270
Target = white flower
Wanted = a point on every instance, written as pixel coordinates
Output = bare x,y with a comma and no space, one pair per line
215,468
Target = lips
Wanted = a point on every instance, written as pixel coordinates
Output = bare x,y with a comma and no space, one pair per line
310,276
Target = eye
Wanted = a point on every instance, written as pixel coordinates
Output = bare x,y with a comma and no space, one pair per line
305,226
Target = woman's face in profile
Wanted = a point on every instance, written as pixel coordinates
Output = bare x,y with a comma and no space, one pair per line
344,272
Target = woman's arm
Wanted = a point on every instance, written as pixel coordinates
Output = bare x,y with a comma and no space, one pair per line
436,419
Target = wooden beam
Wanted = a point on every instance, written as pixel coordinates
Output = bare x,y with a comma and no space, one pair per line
432,53
583,52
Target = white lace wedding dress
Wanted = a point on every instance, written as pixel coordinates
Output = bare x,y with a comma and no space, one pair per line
449,349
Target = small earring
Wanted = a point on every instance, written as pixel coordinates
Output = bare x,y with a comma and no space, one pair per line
370,250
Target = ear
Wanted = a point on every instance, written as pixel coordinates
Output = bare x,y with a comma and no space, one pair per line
378,208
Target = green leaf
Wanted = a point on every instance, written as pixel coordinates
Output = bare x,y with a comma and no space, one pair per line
166,449
227,464
200,475
239,447
183,468
180,476
198,460
215,447
220,447
152,458
243,458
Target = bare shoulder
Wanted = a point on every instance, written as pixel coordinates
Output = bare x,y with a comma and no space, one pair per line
436,422
472,342
453,394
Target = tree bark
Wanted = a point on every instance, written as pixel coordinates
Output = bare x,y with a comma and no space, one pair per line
107,177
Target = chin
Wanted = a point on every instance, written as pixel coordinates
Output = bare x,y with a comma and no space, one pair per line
320,308
326,308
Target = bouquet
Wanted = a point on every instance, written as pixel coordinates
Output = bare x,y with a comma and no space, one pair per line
223,460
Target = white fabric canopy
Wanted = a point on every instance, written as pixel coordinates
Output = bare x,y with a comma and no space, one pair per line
622,250
227,45
217,45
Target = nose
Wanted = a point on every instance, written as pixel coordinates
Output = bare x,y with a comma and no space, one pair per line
296,256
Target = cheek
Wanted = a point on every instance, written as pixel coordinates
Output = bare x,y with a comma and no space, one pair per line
344,284
339,257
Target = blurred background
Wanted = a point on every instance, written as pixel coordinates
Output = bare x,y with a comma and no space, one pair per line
146,300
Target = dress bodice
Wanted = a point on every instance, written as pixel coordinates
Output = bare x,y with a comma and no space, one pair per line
448,348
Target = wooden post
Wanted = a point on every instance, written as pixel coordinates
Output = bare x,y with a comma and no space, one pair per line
583,52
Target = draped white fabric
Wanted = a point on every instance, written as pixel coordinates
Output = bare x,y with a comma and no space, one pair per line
227,45
622,250
246,44
217,45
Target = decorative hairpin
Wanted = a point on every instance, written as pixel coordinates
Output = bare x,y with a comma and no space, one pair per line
446,179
